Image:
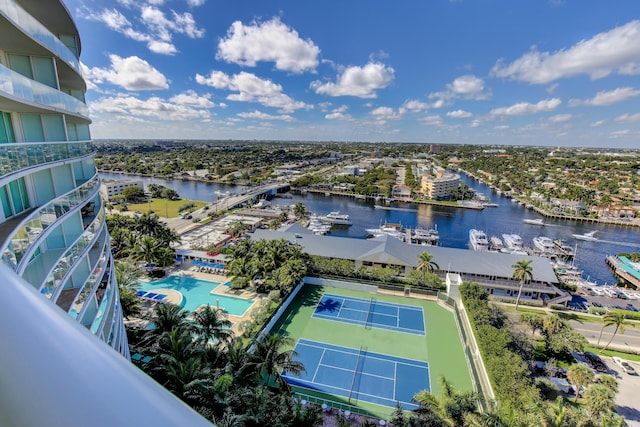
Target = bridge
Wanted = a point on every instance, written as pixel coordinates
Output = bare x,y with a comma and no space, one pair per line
254,193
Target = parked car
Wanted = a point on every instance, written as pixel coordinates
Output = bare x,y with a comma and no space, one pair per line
625,366
596,362
596,304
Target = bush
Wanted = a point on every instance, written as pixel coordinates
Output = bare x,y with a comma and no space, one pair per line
558,307
156,273
597,310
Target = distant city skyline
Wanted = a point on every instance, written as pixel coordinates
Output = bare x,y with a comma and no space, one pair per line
547,73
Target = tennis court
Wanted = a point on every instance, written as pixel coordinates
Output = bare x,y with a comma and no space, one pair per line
359,375
371,313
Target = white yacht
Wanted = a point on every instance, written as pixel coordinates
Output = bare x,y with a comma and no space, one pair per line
590,236
513,241
336,218
544,244
393,230
478,240
537,221
495,244
429,236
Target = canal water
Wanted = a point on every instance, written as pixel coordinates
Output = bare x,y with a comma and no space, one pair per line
453,224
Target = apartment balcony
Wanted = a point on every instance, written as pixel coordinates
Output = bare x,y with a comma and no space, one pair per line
30,95
30,230
18,156
61,375
19,18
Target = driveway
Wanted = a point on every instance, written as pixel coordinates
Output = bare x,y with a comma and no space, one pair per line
627,341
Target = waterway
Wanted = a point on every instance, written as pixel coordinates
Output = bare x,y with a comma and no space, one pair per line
453,224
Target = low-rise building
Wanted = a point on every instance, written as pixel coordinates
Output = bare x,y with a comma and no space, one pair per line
440,185
110,189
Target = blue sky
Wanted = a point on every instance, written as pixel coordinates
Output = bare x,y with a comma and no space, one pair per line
525,72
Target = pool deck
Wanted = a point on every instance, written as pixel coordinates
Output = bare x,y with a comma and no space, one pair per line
188,270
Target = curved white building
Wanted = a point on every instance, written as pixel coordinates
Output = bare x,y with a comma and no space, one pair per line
52,219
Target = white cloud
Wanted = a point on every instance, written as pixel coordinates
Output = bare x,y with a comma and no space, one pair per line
465,87
152,108
361,82
628,118
195,3
264,116
459,114
270,41
620,133
251,88
131,73
597,123
502,127
339,114
191,98
597,57
431,120
158,30
560,118
385,113
413,106
523,108
607,97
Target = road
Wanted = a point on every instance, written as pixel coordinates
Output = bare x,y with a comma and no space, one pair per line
627,341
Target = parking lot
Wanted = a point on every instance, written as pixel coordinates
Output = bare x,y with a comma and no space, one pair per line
627,402
583,299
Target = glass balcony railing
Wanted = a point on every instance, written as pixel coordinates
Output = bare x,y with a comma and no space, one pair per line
29,25
90,283
16,156
28,232
19,86
66,262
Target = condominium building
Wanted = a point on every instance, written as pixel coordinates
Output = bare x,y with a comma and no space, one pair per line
53,235
110,189
440,185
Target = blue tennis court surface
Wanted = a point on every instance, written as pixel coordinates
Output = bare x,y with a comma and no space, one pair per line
360,375
371,313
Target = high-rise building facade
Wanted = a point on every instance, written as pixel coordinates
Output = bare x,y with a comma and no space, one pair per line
52,219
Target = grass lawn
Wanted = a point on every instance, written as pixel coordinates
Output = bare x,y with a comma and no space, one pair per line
611,353
163,207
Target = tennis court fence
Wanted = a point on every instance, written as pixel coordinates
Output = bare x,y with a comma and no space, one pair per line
479,375
338,405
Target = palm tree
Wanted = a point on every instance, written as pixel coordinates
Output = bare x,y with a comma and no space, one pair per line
147,224
523,272
426,263
580,375
534,321
599,400
211,323
612,318
270,359
165,318
452,406
146,250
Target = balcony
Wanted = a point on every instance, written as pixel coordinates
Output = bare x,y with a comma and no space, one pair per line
60,374
17,156
21,19
29,231
19,87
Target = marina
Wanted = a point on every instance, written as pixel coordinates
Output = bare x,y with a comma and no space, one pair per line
453,224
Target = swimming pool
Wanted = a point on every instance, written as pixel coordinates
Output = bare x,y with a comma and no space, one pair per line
196,292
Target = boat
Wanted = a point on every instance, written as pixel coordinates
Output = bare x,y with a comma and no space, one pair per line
537,221
336,218
495,244
470,204
490,205
513,241
387,229
564,249
544,245
423,236
590,236
513,251
478,240
318,227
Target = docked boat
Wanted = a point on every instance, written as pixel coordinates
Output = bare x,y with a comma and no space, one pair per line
421,236
490,205
387,229
537,221
544,245
318,227
478,240
336,218
590,236
564,249
513,241
470,204
495,244
513,251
